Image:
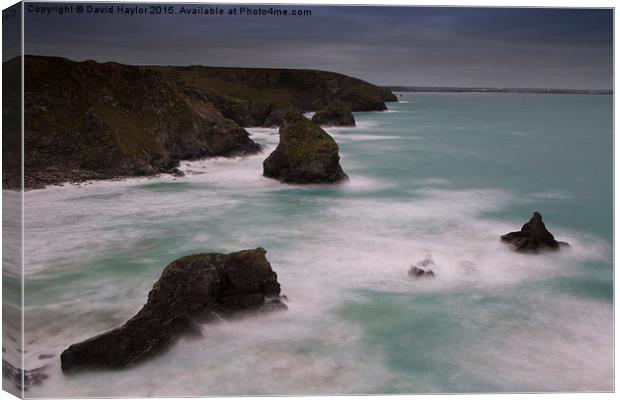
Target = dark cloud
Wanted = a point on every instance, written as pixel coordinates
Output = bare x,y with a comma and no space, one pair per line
525,47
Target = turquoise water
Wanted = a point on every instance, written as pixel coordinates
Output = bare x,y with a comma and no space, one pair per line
439,175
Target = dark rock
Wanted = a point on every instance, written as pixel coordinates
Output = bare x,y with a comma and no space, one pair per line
31,377
305,154
45,356
422,269
337,113
533,237
91,121
178,173
274,305
255,96
278,117
191,290
107,120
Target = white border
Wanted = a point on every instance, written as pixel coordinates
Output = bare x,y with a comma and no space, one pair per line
462,3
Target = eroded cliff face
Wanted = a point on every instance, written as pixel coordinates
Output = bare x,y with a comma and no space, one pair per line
251,96
89,120
96,121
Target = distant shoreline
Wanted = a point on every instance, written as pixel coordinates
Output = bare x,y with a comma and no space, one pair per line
496,90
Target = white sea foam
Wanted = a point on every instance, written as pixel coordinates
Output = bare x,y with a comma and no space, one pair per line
322,261
93,252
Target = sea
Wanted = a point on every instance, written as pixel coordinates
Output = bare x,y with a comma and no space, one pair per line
437,176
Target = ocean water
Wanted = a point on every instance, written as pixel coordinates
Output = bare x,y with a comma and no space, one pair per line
438,175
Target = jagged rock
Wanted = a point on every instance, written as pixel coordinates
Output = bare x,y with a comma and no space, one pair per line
337,113
305,154
533,237
422,269
191,290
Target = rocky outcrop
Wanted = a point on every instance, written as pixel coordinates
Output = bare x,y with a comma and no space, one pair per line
533,237
254,96
191,290
422,269
87,120
305,154
337,113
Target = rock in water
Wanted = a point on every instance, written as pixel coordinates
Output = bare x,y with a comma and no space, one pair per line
305,154
192,289
422,269
533,237
337,113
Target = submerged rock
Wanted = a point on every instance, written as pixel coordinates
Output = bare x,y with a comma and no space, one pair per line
422,269
305,154
533,237
337,113
192,289
177,173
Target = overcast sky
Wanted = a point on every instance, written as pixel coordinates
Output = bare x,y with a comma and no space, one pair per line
517,47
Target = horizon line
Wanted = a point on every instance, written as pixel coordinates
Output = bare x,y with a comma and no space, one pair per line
405,88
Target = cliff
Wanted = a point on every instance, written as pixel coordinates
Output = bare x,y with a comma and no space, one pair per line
250,96
97,121
89,120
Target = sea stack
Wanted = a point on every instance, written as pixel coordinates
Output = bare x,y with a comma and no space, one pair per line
191,290
337,113
305,154
533,237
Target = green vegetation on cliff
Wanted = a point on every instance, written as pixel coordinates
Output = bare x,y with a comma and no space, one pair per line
90,120
250,96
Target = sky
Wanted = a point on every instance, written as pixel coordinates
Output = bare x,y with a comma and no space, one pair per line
410,46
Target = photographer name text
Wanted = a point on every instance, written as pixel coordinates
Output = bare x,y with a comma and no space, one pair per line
177,9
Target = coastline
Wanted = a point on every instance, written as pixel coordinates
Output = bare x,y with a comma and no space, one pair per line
440,89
